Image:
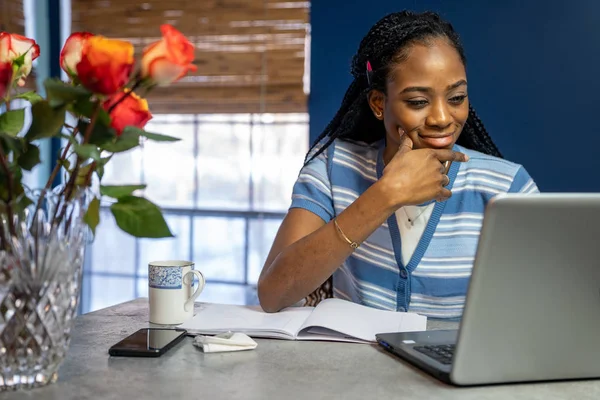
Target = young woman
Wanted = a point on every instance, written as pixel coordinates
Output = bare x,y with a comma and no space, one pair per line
387,210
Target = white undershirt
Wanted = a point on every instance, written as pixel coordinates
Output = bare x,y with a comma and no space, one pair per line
411,234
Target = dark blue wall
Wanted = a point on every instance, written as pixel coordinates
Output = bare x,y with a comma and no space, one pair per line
533,71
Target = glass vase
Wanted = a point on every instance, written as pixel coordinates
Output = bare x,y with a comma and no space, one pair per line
41,257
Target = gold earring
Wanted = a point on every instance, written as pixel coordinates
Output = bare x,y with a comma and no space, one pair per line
378,114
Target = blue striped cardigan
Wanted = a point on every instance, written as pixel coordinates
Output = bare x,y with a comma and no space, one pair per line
434,282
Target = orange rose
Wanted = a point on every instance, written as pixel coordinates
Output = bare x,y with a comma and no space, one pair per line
130,110
6,73
169,59
71,52
105,64
13,46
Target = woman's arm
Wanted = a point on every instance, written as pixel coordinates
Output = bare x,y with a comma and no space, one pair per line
306,250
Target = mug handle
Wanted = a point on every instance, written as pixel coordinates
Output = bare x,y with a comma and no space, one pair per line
189,304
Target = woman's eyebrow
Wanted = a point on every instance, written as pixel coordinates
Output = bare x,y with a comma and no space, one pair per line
427,89
457,84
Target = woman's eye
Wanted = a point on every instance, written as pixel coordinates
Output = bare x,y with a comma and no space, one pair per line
458,99
416,103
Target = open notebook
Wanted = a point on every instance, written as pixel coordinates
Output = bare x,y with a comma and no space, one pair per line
330,320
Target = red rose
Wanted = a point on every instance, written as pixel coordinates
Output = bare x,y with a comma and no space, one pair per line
70,55
169,59
6,72
13,46
105,65
131,111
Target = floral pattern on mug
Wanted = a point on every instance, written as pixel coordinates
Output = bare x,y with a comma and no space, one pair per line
164,277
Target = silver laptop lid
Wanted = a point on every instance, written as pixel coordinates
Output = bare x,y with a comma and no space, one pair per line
533,305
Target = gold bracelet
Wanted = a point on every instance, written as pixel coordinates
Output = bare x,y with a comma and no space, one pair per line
352,244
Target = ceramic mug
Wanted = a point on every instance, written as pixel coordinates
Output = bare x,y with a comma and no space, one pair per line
170,291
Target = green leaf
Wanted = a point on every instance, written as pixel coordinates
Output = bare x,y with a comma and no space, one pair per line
118,191
46,121
100,166
100,133
70,138
127,141
22,203
105,160
11,122
86,151
17,187
140,218
31,97
83,173
92,215
30,157
19,205
60,93
84,107
64,163
152,136
12,143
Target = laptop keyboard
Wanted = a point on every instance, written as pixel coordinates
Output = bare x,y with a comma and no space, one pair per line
441,352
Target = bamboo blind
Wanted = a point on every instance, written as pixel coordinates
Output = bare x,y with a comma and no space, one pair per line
250,53
12,18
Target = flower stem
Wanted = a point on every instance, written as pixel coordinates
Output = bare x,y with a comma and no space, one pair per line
62,158
9,178
68,189
88,177
51,179
5,244
135,86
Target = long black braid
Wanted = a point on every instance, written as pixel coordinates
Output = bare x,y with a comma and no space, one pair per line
385,45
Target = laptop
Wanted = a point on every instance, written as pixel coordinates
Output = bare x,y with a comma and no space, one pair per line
532,311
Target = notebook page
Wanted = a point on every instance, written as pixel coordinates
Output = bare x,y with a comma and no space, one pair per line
358,321
218,318
318,333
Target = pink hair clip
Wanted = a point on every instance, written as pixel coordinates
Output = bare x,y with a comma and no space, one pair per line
369,72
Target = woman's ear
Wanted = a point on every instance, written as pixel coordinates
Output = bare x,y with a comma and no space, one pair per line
376,102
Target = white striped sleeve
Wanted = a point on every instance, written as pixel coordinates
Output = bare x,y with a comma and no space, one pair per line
312,190
523,183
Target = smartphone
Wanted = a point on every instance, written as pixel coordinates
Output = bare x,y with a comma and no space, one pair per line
148,342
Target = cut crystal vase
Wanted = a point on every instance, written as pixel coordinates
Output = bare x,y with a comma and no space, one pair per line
41,259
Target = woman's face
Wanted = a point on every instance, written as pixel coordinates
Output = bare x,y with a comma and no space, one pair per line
426,97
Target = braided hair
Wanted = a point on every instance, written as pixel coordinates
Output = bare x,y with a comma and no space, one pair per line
384,46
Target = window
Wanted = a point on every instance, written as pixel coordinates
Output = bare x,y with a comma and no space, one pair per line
242,117
224,189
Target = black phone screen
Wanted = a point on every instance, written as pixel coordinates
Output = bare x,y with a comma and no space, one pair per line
147,342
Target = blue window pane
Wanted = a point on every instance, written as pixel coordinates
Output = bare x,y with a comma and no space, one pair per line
142,286
224,166
124,168
278,154
219,248
108,291
228,294
262,234
113,251
169,166
209,168
177,248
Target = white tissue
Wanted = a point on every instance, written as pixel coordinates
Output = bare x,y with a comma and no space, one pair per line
230,341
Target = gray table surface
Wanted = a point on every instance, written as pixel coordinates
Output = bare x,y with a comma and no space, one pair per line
276,369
